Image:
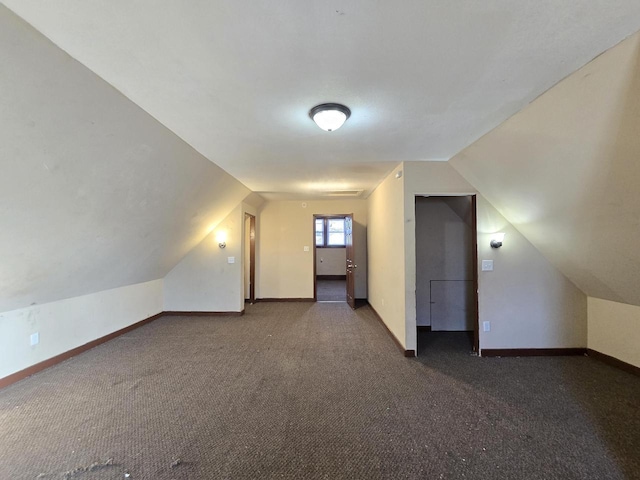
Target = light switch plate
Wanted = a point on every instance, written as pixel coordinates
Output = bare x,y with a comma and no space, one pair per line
34,338
487,265
306,248
231,260
486,326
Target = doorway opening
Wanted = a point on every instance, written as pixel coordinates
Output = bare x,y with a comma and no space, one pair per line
446,274
333,259
249,258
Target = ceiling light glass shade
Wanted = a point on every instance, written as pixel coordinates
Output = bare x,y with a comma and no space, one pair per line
330,116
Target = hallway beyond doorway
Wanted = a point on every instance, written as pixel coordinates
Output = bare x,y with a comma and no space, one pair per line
331,290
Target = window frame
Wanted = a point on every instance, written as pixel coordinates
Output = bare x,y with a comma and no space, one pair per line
325,230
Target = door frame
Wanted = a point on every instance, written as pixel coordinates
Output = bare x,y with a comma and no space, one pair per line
350,262
474,244
313,226
252,257
474,234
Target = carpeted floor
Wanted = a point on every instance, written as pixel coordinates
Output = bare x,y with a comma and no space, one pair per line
331,290
315,391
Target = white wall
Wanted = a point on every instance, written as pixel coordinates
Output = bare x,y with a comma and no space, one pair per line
204,280
285,228
614,329
331,261
70,323
529,303
385,238
445,253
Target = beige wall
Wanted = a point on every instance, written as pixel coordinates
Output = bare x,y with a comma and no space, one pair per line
614,329
70,323
95,194
529,303
565,172
386,254
204,280
285,270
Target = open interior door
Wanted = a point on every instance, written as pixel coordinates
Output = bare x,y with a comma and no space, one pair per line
351,266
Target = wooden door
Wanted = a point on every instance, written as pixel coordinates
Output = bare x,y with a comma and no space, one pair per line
351,266
474,253
250,258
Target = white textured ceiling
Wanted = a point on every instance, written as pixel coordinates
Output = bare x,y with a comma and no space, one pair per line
423,79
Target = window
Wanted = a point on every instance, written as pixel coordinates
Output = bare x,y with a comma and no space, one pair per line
320,232
330,232
335,232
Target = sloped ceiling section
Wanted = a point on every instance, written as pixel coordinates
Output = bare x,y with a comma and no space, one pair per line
423,78
566,172
94,193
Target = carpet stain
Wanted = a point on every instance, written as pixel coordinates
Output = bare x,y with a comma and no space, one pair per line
76,472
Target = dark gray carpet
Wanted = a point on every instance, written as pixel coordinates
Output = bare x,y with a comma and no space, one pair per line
331,290
314,391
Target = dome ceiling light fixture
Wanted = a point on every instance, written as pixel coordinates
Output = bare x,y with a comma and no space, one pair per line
329,116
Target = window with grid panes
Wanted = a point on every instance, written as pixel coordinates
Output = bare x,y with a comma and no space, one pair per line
330,232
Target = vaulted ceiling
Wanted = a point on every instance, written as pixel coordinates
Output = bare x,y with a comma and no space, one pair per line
565,171
424,79
94,193
129,129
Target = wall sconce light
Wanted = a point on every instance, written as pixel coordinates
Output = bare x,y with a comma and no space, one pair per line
221,238
496,240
